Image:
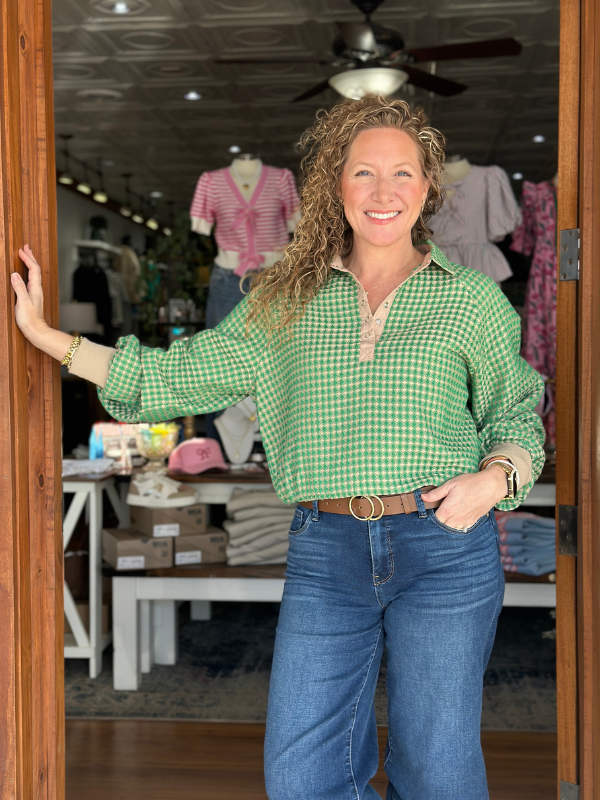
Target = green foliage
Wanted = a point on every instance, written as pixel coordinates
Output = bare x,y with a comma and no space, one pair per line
170,269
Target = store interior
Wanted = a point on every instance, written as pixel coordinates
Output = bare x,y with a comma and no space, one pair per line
176,121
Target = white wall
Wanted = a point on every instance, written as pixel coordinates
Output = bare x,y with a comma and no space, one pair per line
74,214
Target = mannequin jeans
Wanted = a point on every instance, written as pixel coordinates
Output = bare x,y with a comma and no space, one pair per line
223,296
428,593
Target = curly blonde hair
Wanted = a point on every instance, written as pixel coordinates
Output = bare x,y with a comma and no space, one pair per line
279,295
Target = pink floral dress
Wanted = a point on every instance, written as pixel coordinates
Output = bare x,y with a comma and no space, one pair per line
537,235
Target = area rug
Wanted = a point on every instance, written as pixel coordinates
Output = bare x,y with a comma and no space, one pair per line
224,665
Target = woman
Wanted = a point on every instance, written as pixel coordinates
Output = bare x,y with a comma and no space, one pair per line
380,370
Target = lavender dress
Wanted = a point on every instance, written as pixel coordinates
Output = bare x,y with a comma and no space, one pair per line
481,211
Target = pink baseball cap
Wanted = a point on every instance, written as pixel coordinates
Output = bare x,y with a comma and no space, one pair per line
197,455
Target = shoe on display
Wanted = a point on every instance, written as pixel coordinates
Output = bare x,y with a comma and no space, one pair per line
156,490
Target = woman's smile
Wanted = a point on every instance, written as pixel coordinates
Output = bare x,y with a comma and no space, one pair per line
382,217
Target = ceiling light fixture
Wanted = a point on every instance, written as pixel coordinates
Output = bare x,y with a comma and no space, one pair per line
192,96
152,224
120,8
538,139
125,210
517,176
167,231
84,187
65,177
100,195
235,148
137,218
357,83
156,194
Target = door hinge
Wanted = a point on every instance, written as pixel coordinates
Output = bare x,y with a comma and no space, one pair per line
567,530
568,262
569,791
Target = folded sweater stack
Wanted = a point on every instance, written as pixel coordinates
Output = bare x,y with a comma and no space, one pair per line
527,542
258,524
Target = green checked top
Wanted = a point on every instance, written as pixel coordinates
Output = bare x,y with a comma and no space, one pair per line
444,386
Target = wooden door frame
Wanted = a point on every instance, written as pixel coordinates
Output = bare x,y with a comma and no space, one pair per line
578,401
31,558
31,602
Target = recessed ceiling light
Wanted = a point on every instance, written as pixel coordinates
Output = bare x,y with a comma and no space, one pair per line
120,8
192,96
538,138
156,194
235,148
517,176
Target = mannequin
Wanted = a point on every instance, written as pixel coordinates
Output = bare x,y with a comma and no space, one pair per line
480,209
455,169
245,170
255,208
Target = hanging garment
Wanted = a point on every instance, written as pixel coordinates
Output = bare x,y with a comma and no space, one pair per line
251,234
537,235
128,266
481,210
90,285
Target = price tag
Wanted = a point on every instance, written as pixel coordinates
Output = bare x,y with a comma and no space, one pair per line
131,562
188,557
172,529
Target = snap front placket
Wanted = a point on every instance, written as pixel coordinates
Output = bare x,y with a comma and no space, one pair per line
373,324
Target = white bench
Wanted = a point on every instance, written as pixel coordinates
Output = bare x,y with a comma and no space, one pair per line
145,615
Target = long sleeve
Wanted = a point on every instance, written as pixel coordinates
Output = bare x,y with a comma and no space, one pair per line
212,370
505,390
523,238
503,213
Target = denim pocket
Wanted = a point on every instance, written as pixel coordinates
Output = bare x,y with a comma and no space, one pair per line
301,521
456,531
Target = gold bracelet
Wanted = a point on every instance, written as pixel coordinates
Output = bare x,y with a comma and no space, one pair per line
70,354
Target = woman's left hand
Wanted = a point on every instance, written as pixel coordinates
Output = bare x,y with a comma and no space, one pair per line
468,497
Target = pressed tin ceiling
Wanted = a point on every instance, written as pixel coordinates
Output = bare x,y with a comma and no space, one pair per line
120,81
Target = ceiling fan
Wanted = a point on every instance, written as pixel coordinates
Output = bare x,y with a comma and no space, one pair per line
374,59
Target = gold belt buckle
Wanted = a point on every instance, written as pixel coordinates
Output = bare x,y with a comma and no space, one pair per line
371,517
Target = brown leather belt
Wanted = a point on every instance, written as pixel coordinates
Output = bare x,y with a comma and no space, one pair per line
373,507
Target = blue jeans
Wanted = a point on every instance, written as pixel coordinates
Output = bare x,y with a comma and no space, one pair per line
223,296
428,593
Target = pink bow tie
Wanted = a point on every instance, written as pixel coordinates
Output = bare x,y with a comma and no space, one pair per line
245,216
248,261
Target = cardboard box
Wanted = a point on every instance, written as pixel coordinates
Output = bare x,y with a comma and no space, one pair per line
201,548
159,522
130,549
84,613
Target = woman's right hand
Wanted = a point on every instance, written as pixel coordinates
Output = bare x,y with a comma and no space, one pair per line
29,308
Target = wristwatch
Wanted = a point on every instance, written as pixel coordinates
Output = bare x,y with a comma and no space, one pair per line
512,475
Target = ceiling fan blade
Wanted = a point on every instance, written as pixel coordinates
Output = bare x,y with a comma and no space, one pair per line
358,36
320,87
481,49
433,83
269,61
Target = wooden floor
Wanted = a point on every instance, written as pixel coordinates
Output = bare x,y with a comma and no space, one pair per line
159,760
